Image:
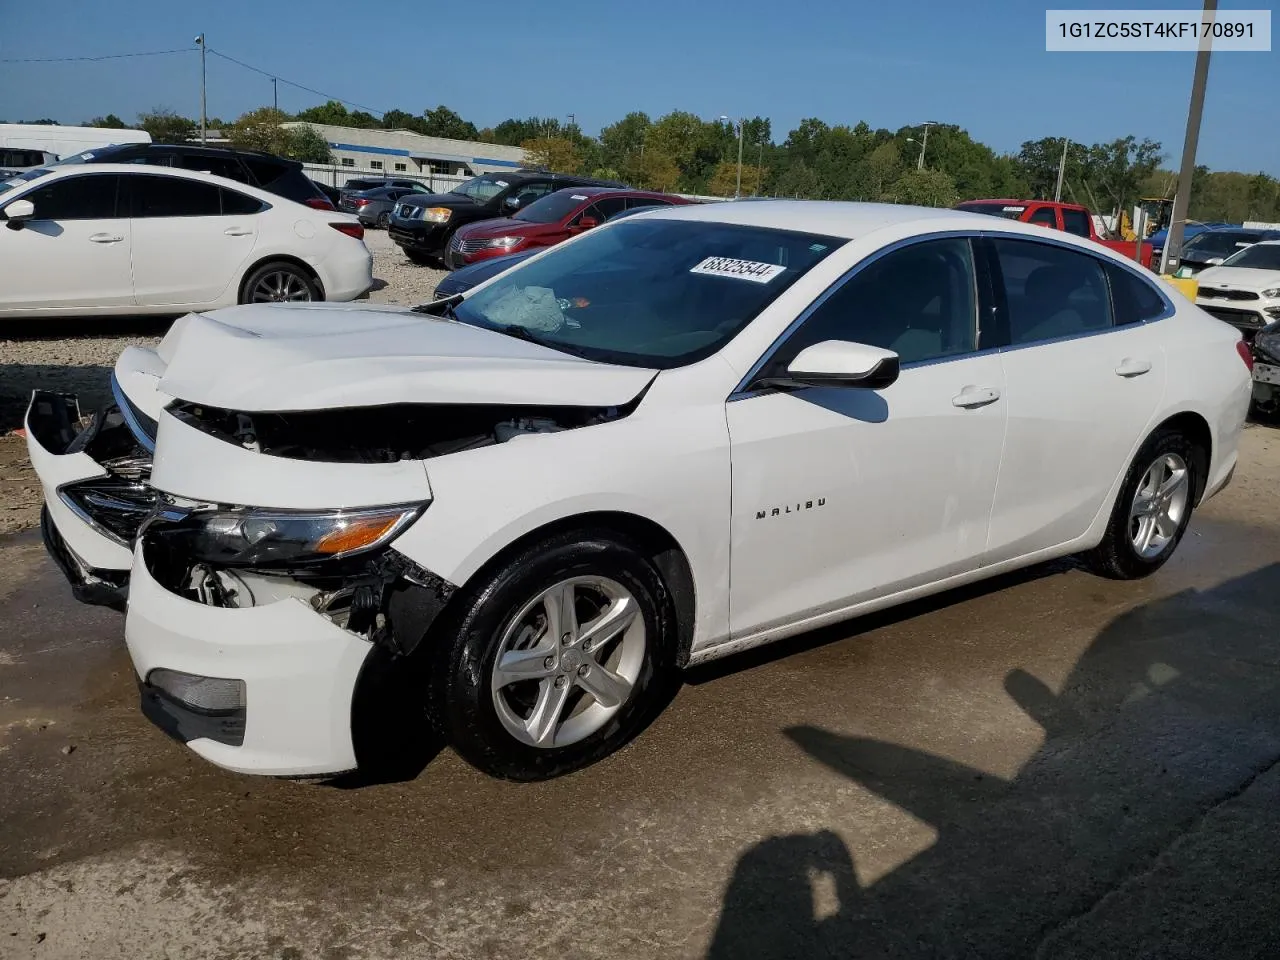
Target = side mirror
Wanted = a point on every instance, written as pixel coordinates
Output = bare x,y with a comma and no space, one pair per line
839,363
1214,261
586,223
18,213
512,203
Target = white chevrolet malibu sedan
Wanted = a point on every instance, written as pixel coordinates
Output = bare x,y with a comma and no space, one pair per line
681,435
110,238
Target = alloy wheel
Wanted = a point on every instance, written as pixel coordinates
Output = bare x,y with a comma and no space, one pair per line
568,661
1159,505
280,286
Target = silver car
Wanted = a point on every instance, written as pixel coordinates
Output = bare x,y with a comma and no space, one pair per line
374,206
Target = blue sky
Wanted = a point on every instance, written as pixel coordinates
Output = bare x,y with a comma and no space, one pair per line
980,65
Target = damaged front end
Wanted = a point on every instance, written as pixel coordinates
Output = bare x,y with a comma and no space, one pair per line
95,472
338,562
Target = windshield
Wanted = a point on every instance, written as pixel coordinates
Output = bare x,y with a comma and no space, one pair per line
22,179
99,154
1264,256
648,292
552,208
1010,211
481,189
1218,243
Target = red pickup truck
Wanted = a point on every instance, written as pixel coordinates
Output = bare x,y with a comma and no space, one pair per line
1068,217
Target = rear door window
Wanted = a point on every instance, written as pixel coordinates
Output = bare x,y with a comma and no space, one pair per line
1045,217
173,197
602,210
1133,299
1051,291
228,167
235,204
634,202
1076,221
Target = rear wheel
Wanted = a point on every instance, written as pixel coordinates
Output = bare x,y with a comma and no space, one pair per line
384,219
279,283
1152,510
557,659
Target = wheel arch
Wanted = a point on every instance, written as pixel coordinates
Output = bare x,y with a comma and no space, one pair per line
656,542
1195,428
262,261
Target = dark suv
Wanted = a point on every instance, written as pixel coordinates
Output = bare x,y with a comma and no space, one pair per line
423,223
274,174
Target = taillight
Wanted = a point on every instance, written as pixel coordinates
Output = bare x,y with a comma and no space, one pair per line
319,203
350,229
1246,353
362,201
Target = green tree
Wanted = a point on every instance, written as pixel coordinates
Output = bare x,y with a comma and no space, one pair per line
622,141
330,112
923,188
443,122
402,120
306,144
109,122
514,132
260,130
725,179
884,167
165,126
557,154
798,180
653,170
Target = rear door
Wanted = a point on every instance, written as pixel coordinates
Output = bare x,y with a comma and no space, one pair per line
1084,376
191,239
73,253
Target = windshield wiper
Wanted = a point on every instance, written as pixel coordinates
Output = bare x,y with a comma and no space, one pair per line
440,308
524,333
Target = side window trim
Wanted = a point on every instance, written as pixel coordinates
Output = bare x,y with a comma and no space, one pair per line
740,391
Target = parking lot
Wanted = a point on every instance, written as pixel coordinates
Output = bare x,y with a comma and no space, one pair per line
1048,765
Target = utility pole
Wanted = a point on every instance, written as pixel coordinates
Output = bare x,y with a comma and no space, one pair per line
1182,199
275,96
737,191
203,75
924,144
759,169
1062,166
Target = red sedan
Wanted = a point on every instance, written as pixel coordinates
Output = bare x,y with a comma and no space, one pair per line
544,223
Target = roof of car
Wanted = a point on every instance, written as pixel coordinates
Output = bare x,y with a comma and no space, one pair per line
596,191
837,218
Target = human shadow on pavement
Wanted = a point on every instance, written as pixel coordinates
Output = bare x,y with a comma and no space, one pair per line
1128,834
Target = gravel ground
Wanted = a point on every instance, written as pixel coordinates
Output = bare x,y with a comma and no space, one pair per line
76,356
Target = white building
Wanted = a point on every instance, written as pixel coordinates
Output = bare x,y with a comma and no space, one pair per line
402,151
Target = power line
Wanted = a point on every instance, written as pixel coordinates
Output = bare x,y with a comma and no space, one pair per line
109,56
292,83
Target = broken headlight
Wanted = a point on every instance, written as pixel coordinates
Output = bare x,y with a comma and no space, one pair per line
257,537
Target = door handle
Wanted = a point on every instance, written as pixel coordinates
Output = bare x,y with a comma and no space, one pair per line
1132,368
971,397
237,231
105,238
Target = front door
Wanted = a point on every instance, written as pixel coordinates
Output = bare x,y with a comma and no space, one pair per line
842,495
74,253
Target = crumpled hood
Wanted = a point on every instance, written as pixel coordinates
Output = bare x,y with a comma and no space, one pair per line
1239,278
275,357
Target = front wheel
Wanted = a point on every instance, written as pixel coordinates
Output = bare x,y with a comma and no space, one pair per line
384,219
558,658
279,283
1152,510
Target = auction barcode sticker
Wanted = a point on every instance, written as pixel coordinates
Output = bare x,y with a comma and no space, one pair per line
1116,31
738,269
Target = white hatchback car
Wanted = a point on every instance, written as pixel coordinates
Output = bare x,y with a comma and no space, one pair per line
677,436
130,239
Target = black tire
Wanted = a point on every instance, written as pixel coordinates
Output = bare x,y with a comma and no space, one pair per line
290,272
418,257
384,219
461,703
1116,557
